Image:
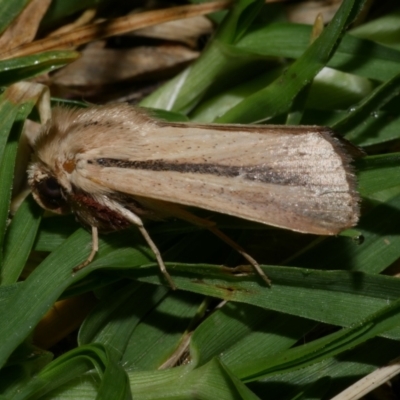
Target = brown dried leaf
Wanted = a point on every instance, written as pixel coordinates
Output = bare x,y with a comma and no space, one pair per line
86,17
63,318
185,31
318,27
307,11
86,34
101,66
23,29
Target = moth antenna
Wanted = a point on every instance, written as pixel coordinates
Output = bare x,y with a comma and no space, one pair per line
95,249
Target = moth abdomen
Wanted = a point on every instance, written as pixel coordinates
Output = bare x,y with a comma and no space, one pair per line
91,212
96,211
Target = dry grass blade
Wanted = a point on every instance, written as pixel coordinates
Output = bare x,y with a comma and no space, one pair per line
183,347
84,19
63,318
307,12
370,382
115,65
116,26
24,27
185,31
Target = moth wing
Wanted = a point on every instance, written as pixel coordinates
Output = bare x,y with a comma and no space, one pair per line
297,178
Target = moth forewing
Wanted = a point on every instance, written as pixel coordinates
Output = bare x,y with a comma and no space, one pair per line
115,165
297,178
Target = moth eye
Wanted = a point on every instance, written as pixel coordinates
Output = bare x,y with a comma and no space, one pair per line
51,188
50,192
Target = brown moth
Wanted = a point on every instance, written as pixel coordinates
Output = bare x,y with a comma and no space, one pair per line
115,165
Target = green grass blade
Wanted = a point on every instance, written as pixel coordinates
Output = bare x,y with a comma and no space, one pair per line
343,370
42,288
357,56
16,103
8,113
65,368
23,68
9,11
377,173
39,291
217,66
312,294
277,98
369,106
162,331
19,240
326,347
115,383
209,382
109,324
383,30
240,340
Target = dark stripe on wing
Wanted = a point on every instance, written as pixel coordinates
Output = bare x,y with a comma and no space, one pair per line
252,173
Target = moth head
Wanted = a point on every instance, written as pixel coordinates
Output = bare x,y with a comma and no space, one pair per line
47,190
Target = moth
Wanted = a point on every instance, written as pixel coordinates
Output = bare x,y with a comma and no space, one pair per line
114,166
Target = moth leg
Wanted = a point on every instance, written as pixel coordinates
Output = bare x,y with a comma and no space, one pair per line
181,213
156,252
241,251
95,249
135,220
